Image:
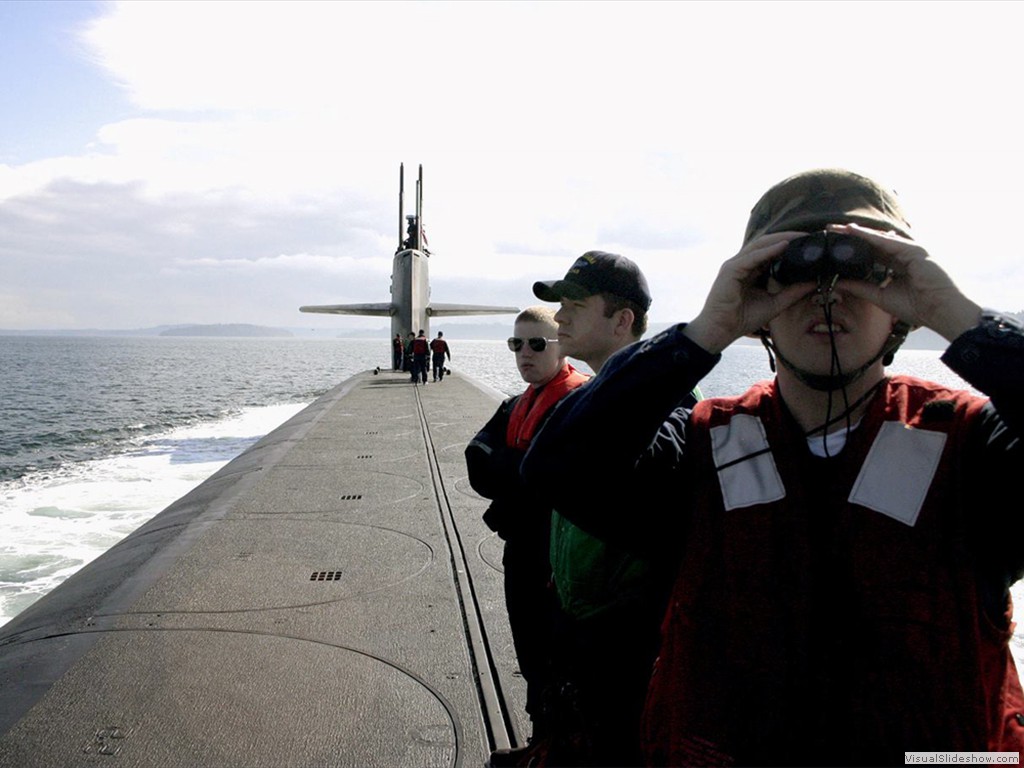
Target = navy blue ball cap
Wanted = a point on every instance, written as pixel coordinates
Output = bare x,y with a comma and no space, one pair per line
598,272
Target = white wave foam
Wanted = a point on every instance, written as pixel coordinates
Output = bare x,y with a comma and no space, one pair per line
56,522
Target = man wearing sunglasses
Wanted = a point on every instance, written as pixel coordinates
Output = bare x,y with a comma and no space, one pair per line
522,521
610,598
847,540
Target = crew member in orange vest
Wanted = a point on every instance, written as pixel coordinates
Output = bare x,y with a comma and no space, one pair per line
493,459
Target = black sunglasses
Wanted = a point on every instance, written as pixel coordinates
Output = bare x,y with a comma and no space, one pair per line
822,256
537,343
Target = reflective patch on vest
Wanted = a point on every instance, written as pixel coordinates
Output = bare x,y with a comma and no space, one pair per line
746,468
899,471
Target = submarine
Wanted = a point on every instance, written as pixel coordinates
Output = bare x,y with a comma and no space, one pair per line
410,308
330,597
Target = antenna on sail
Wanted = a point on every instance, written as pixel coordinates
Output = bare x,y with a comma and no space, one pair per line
401,204
420,245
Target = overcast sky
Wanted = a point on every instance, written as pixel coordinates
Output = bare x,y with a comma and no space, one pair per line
227,162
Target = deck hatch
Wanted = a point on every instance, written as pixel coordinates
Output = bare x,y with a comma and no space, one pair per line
108,740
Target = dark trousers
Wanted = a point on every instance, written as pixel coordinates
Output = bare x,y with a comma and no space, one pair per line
531,602
602,666
438,367
419,368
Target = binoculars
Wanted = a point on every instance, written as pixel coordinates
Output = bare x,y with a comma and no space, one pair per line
824,256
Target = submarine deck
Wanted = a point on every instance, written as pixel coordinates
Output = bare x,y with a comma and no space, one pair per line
329,598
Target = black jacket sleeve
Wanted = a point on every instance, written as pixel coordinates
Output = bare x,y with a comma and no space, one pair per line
622,432
493,468
494,474
990,357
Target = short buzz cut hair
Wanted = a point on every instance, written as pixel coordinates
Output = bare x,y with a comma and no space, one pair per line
539,314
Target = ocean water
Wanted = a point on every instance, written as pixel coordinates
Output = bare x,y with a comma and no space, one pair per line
99,434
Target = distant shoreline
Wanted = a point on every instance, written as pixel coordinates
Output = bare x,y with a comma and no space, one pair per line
920,339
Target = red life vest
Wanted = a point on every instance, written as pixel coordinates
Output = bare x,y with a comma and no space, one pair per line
830,610
419,346
532,407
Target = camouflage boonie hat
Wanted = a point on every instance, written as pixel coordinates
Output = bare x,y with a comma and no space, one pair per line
809,201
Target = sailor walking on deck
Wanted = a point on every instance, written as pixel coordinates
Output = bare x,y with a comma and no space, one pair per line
439,348
420,351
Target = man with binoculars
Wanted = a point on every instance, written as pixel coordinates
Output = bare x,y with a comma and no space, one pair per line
846,539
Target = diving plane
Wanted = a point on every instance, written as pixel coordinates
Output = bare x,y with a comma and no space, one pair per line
410,308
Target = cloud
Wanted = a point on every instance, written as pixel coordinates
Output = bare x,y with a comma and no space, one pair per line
311,264
104,244
259,157
648,236
496,76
